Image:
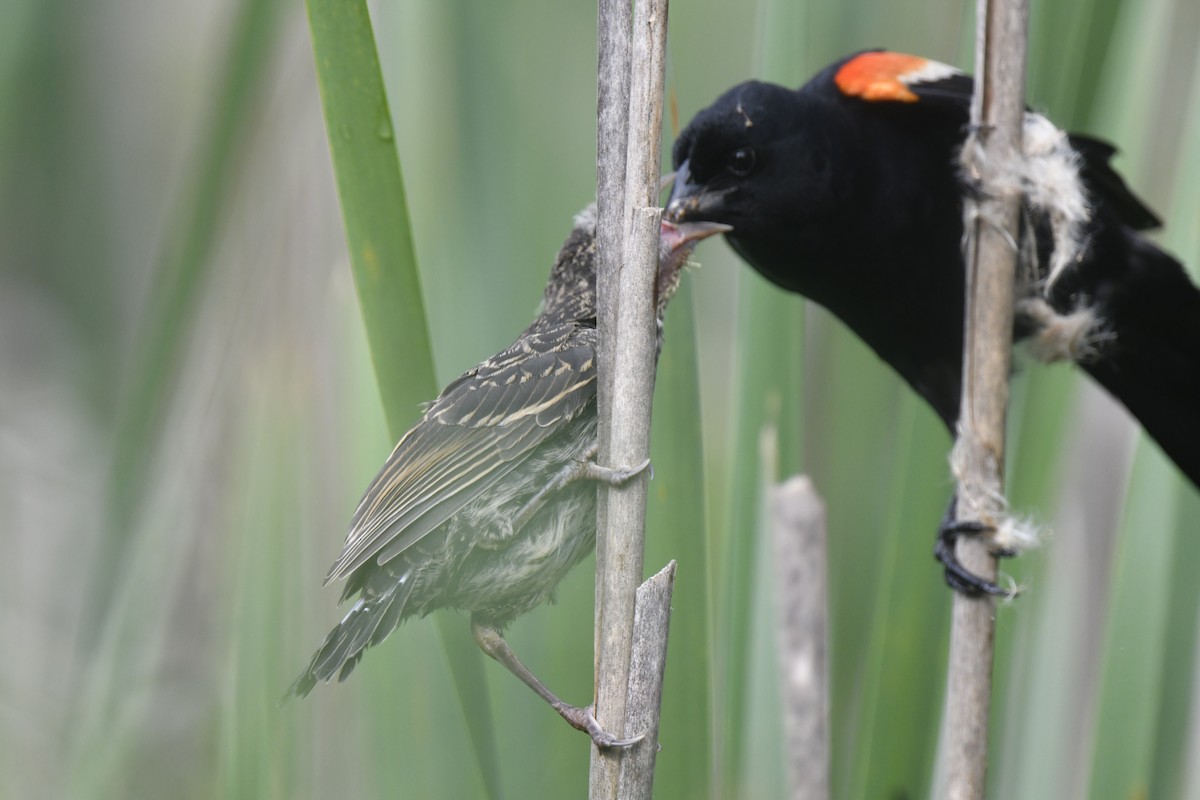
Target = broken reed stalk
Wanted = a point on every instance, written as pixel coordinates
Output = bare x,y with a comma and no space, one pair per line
628,235
997,115
798,530
647,663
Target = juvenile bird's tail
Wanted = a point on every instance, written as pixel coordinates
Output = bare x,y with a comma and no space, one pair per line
1152,365
370,620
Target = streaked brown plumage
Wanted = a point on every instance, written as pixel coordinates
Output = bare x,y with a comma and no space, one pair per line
482,505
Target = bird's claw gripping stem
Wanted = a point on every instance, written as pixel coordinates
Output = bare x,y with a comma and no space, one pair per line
614,476
585,469
959,577
584,719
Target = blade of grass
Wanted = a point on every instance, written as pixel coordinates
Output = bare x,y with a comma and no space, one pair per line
258,748
1168,510
378,237
676,528
374,210
1149,628
1137,637
902,682
769,322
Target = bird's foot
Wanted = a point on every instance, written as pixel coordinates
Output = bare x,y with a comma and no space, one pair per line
613,476
584,469
959,577
584,719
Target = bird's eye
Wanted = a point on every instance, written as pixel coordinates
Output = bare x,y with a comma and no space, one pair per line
741,161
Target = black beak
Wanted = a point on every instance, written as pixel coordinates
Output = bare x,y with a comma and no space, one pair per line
682,189
691,201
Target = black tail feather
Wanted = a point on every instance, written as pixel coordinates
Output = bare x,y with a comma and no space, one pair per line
1152,365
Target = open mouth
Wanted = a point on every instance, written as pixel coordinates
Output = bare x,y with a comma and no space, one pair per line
676,242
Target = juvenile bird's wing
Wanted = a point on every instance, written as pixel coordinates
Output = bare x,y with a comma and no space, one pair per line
485,423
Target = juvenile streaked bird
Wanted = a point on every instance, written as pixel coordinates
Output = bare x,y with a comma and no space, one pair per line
850,191
489,500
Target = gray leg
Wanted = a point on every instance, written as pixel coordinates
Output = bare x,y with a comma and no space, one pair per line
584,469
492,642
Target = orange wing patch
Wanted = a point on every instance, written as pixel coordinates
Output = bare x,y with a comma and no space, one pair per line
886,76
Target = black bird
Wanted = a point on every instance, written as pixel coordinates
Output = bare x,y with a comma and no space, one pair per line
483,505
849,191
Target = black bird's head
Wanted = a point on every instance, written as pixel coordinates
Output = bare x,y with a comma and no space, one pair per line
761,159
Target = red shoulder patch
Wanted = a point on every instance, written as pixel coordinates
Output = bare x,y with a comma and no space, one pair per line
887,76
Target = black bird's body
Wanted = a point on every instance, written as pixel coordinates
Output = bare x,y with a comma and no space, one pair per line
849,191
488,501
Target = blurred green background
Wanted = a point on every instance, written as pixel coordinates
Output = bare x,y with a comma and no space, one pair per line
188,414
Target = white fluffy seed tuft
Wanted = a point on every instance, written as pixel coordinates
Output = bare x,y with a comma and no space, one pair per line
1047,177
1016,533
1052,185
1078,336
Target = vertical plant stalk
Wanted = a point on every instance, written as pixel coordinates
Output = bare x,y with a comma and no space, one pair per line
378,236
633,390
798,530
997,115
626,281
648,661
374,210
615,19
